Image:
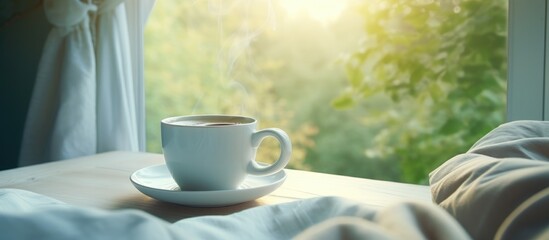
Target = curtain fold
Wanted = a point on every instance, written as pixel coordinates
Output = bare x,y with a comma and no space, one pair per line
116,123
84,99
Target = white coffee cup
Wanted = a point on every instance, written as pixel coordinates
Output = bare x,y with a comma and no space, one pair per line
216,152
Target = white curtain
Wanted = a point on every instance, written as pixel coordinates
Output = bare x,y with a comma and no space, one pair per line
88,95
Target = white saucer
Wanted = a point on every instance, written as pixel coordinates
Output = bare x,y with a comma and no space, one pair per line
156,182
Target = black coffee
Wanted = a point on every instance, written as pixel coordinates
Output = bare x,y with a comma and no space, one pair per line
216,124
204,124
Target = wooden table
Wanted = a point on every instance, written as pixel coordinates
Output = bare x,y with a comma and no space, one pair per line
102,181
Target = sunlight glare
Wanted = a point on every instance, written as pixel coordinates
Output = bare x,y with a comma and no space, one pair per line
321,10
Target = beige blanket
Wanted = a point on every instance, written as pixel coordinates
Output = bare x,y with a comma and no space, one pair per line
499,189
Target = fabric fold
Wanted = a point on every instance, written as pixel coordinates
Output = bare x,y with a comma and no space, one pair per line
316,218
62,107
496,184
84,99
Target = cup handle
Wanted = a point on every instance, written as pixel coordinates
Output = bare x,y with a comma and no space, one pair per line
285,151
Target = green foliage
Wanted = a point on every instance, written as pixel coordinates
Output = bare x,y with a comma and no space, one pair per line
423,81
345,101
443,66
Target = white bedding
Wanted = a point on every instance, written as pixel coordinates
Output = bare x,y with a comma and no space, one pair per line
499,189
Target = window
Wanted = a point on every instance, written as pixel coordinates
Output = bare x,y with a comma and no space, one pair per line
528,84
381,89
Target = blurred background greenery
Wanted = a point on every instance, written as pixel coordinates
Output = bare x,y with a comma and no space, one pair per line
381,89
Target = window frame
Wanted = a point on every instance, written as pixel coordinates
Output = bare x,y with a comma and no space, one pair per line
528,78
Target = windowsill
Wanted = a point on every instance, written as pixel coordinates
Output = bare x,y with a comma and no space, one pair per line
102,181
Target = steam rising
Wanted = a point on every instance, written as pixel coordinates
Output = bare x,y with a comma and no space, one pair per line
233,45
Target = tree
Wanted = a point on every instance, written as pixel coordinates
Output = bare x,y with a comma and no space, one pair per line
441,65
